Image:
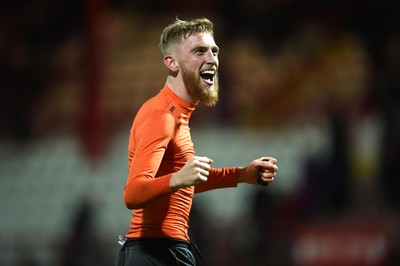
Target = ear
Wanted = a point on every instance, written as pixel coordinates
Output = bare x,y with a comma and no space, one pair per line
170,63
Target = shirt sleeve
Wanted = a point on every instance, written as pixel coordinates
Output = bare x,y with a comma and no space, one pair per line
219,178
151,139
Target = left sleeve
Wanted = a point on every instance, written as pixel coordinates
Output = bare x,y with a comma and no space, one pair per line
151,139
219,178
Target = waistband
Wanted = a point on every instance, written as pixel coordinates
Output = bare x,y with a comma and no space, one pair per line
169,242
165,242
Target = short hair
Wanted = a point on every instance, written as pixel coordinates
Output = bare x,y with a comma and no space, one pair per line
181,29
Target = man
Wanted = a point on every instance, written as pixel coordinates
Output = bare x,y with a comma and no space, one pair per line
164,172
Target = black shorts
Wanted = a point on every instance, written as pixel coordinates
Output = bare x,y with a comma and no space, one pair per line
155,251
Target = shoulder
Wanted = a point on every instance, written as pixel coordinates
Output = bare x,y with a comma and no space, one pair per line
154,116
156,122
161,117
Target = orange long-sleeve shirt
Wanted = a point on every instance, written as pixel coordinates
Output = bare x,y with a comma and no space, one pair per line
159,145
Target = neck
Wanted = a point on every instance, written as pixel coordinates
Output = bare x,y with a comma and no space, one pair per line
177,86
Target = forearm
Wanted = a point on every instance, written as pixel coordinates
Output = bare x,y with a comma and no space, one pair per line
219,178
139,191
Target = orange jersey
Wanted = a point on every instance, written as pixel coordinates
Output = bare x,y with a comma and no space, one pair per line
159,145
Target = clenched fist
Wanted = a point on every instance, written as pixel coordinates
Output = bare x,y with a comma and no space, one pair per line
195,171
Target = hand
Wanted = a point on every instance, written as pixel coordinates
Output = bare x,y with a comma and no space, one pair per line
260,171
193,172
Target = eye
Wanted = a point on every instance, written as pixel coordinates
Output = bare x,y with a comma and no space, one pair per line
201,51
215,51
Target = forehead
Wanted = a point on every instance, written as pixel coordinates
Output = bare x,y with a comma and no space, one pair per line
198,39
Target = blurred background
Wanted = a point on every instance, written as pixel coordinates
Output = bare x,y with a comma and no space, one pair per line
313,83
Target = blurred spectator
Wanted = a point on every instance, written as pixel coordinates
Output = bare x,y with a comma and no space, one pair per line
84,247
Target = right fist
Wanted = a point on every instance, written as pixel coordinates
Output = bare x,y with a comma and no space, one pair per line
193,172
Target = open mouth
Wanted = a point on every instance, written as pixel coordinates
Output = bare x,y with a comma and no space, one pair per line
208,76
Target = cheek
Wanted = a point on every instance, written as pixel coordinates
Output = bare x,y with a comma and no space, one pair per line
193,62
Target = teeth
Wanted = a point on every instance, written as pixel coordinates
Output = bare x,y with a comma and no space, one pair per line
211,72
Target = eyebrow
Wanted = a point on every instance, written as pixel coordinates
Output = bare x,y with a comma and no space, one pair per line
214,48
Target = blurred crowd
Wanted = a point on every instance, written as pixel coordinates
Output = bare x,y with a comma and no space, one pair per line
85,67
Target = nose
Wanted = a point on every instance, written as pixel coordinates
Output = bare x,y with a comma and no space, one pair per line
212,58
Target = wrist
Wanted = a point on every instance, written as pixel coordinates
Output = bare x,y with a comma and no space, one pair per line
241,175
173,184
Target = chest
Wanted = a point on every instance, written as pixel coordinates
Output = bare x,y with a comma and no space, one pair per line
179,150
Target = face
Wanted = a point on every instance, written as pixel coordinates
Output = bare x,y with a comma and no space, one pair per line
198,64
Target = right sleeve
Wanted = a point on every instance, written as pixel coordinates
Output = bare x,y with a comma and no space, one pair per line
151,139
219,178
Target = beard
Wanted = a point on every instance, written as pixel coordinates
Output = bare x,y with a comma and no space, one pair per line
208,95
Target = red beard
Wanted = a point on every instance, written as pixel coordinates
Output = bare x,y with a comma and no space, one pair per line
206,95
